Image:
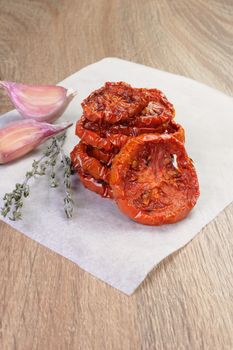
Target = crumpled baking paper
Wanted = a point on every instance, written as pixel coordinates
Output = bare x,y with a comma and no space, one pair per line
99,238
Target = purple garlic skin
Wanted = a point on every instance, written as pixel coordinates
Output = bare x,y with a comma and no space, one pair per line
20,137
45,103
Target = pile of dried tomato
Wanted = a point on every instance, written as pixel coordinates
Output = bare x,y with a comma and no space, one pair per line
132,151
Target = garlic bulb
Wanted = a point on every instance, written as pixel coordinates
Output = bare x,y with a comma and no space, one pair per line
44,103
20,137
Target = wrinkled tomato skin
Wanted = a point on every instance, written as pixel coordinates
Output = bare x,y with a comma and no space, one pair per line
90,137
112,103
102,189
115,137
175,130
93,138
105,130
82,162
103,157
156,193
92,173
142,218
116,102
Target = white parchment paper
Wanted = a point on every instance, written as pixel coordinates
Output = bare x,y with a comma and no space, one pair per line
99,238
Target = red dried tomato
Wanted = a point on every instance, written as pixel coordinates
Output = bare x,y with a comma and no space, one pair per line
171,127
148,185
90,137
97,186
157,112
175,130
82,162
94,139
116,136
116,102
104,129
103,157
131,130
113,102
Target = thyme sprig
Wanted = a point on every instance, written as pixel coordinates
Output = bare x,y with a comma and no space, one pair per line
47,164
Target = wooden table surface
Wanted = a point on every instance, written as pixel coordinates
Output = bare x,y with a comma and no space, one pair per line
46,301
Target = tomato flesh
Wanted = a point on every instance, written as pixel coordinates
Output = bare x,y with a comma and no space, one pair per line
153,180
116,102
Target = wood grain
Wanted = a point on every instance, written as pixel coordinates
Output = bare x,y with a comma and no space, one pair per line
47,302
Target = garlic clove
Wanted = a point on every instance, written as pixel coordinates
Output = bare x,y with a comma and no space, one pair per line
44,103
20,137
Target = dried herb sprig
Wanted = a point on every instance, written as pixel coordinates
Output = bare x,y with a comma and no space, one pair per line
47,164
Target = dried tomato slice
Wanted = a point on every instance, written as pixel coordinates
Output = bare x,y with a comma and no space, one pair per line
175,130
116,102
113,102
171,127
155,113
103,157
104,129
116,136
82,162
94,139
132,130
90,137
97,186
148,186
